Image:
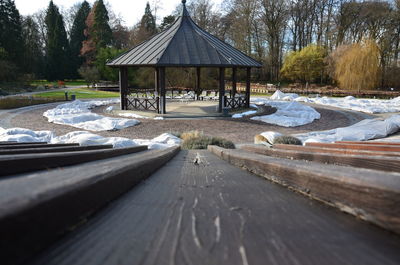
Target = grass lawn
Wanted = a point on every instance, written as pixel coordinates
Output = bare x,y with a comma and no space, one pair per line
80,93
53,96
19,102
67,83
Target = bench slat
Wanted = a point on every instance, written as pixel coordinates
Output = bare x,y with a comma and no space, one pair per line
16,164
390,148
335,150
53,149
384,163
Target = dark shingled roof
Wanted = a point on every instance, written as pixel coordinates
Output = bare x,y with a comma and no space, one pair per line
184,44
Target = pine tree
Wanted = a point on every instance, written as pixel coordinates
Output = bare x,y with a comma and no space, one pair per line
167,21
11,31
98,33
57,49
147,26
102,32
78,36
148,22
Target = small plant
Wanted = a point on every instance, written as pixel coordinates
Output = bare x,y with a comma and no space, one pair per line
287,139
201,142
190,135
222,143
196,143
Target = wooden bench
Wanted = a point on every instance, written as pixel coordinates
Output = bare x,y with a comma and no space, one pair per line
59,190
339,180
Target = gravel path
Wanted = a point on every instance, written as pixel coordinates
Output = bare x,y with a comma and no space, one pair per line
236,130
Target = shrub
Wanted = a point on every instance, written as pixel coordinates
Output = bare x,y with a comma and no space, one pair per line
222,143
286,139
196,143
191,134
201,142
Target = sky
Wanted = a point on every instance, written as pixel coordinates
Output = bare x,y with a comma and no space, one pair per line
130,10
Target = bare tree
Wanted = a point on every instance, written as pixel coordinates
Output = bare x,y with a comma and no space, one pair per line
274,15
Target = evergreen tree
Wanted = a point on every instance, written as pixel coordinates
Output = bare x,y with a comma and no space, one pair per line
78,36
98,33
148,21
11,31
147,26
102,32
57,48
167,21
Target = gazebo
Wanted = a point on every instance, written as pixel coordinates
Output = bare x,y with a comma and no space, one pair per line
184,44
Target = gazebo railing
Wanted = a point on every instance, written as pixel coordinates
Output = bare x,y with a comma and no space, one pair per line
143,103
235,102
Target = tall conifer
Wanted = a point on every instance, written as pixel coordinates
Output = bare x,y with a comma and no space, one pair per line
11,31
57,48
98,33
102,32
78,36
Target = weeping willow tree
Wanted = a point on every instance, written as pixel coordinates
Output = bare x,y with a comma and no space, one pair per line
358,67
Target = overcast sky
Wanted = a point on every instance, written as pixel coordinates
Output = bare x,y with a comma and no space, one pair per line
130,10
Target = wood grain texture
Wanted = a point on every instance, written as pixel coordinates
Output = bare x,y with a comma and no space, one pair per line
384,163
368,194
366,147
18,143
214,213
38,208
367,142
33,150
335,150
22,163
20,146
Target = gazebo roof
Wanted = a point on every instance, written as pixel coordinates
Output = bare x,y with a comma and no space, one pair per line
184,44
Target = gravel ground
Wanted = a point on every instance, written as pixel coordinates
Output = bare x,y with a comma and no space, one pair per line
236,130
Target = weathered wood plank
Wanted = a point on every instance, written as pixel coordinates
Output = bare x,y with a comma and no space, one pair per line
334,150
16,164
19,143
367,142
53,149
8,142
372,162
214,213
37,208
20,146
384,148
369,194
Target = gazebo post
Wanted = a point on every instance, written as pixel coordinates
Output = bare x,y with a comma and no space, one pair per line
198,76
157,87
234,81
157,80
123,86
221,88
162,90
248,78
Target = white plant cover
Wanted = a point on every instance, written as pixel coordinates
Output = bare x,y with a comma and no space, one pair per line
271,136
78,114
241,115
288,114
364,130
349,102
85,138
